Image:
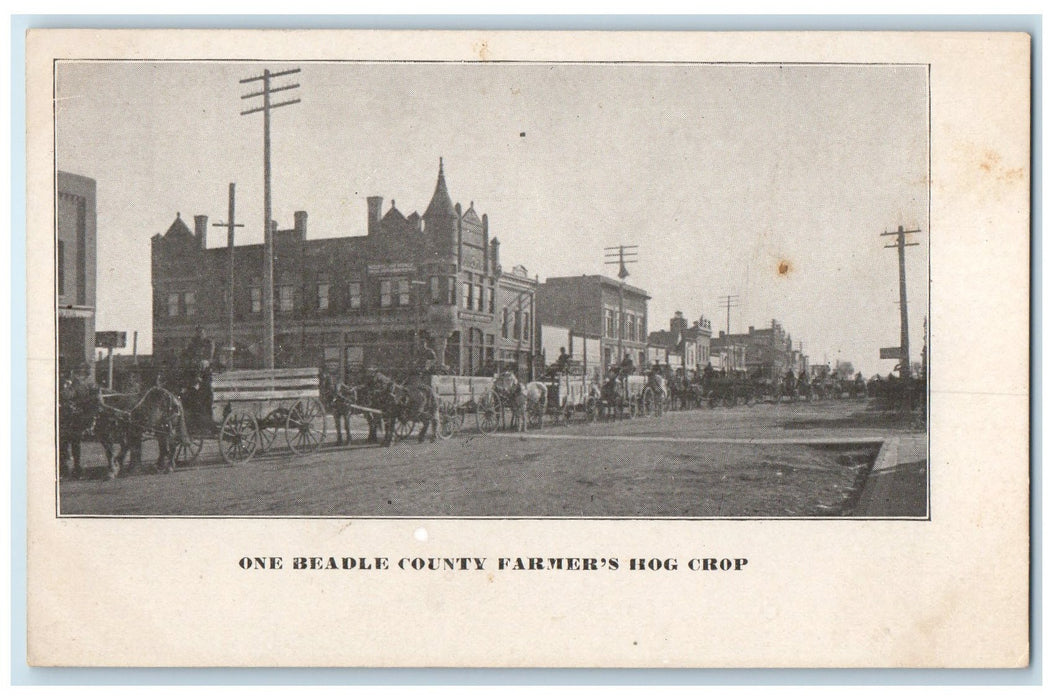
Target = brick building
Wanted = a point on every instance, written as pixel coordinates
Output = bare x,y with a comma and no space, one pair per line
597,306
768,352
75,269
355,300
682,346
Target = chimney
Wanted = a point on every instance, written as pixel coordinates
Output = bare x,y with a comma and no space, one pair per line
487,267
374,205
495,255
677,323
300,224
751,330
200,230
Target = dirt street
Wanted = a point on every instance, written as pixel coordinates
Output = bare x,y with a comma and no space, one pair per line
761,461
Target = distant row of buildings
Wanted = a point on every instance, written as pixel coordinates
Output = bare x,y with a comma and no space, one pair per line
434,279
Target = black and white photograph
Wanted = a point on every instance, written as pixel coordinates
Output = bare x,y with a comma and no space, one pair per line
628,290
519,349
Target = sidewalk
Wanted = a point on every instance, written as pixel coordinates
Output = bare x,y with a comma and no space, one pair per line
897,485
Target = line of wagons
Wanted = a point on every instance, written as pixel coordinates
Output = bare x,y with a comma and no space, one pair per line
251,412
248,412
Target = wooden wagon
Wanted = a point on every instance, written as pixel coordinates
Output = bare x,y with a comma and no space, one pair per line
460,396
248,411
571,395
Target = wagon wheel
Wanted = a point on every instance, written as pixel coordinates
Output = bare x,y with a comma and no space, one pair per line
305,426
592,409
269,427
535,417
647,403
187,450
489,413
404,428
238,438
447,420
563,413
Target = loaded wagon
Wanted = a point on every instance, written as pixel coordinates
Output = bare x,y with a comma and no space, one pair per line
460,396
570,395
250,409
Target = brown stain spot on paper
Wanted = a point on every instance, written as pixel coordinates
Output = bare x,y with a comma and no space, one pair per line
784,268
482,49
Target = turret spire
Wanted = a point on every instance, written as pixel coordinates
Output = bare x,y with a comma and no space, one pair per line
441,205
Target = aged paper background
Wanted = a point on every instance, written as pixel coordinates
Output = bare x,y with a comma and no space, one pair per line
952,591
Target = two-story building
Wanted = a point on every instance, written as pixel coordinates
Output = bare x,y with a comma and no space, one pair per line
434,279
601,307
767,352
682,347
75,270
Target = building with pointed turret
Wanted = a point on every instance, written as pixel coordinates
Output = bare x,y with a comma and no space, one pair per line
354,301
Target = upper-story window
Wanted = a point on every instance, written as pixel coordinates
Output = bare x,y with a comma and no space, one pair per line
190,303
631,319
173,304
354,295
491,299
256,299
385,294
611,324
323,296
402,290
61,268
468,300
526,325
504,322
285,297
518,330
479,301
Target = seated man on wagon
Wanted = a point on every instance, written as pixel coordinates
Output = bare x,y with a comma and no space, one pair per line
627,367
563,361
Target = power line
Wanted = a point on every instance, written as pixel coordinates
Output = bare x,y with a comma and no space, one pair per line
230,226
729,302
904,337
621,255
268,227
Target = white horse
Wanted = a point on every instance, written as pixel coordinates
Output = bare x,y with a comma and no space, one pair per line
525,400
658,386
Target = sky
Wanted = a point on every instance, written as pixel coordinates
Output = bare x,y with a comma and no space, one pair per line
722,174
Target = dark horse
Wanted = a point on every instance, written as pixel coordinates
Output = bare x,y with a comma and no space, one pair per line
124,421
415,402
78,408
615,395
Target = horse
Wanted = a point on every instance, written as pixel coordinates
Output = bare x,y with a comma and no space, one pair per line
78,408
411,403
657,383
337,400
125,420
525,399
615,395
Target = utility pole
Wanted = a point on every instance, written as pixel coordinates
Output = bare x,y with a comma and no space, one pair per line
230,226
729,302
268,228
904,336
625,254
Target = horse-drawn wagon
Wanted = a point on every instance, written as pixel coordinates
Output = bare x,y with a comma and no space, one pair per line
460,396
569,395
246,410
